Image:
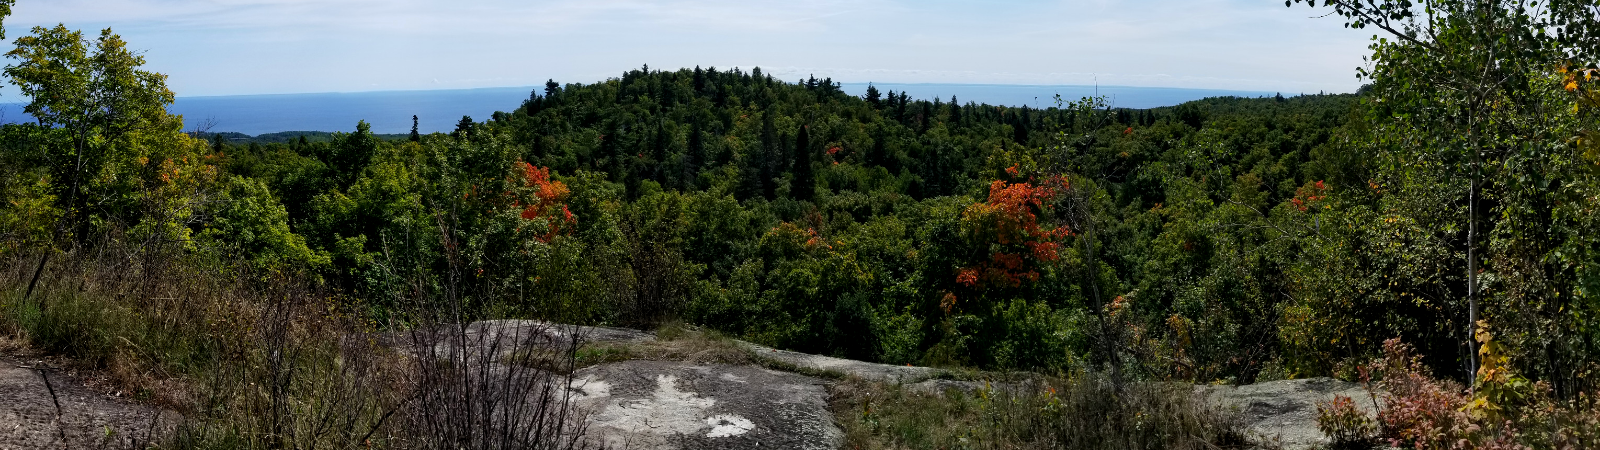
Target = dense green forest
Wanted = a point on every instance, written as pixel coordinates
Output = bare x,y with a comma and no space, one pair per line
1228,236
796,215
1226,239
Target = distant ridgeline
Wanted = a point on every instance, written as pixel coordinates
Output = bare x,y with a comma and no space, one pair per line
281,137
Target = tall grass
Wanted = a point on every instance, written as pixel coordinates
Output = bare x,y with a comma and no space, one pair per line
1086,411
271,361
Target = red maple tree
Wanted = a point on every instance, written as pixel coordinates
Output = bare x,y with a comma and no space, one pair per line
1007,225
548,203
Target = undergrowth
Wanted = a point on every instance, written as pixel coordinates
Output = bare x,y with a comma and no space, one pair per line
1085,411
263,361
1502,411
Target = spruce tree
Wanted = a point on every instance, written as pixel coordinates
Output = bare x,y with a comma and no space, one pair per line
955,112
658,153
873,96
414,136
804,179
463,128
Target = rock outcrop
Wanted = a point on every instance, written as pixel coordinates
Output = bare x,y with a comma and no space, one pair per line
1285,411
669,405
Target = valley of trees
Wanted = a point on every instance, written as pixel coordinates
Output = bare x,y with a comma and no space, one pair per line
1227,239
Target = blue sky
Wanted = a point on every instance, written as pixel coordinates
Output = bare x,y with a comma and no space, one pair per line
231,47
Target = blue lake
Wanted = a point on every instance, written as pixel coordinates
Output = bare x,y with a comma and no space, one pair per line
390,112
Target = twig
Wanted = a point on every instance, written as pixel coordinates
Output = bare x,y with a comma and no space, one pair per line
60,427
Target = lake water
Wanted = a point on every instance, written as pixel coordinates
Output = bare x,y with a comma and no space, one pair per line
390,112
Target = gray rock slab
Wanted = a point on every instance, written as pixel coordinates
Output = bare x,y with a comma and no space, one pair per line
1286,410
670,405
865,370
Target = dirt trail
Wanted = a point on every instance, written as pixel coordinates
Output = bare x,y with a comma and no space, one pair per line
75,416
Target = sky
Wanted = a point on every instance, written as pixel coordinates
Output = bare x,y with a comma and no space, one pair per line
242,47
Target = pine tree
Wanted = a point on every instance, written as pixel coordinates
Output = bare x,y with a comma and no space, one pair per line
551,88
873,96
414,136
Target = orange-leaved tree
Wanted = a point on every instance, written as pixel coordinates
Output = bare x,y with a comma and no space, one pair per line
543,201
1007,230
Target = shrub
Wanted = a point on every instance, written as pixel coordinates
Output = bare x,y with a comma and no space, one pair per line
1345,425
1503,411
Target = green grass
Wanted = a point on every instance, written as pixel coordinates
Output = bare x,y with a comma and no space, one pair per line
1083,412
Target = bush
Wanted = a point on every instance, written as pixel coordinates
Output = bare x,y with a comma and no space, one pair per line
1502,412
1345,425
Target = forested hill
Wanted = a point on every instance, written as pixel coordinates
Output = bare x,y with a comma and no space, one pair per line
884,228
673,127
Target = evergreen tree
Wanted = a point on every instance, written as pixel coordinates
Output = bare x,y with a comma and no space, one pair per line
1019,126
768,158
551,88
463,128
955,112
804,179
658,153
414,136
533,104
873,96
